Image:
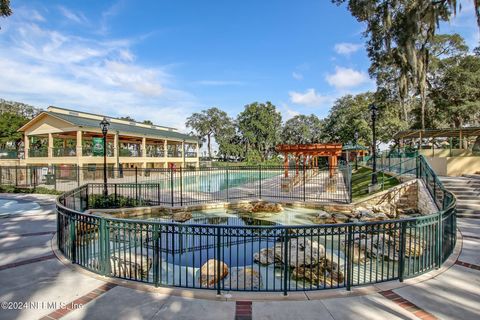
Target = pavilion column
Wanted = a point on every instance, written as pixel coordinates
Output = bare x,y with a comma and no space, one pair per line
165,152
183,153
78,153
50,145
197,152
296,164
26,146
285,164
78,145
144,147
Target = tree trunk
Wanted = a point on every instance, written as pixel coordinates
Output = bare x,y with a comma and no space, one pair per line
208,146
423,103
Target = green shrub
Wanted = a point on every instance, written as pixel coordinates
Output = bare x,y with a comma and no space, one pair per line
37,190
98,201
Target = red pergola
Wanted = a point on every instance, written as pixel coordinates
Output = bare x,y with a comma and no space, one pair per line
309,153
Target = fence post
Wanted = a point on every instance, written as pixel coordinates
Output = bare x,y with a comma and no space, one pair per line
73,241
158,193
260,181
156,255
86,198
171,186
219,244
401,267
349,257
16,176
304,183
439,240
227,182
286,262
54,178
0,176
101,237
136,175
78,175
115,191
350,191
181,187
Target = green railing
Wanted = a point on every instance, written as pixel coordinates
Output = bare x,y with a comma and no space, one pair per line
243,257
38,153
10,154
65,152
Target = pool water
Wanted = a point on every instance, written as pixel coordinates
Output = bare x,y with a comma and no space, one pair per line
214,181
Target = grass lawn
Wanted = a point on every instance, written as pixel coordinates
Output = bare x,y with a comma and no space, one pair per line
363,177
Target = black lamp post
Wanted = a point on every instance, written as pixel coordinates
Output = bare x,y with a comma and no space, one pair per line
374,110
104,125
355,139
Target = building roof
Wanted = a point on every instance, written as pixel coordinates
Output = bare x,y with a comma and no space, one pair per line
442,133
88,120
357,147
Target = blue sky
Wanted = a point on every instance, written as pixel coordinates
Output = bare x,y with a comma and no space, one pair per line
162,60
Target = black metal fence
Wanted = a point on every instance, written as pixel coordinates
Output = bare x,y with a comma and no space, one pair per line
192,185
257,258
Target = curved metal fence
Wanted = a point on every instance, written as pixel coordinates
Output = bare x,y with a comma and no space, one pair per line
257,258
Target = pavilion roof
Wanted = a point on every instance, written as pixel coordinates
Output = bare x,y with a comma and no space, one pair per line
316,149
442,133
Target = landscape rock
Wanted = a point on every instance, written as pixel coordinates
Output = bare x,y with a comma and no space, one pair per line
265,256
243,279
209,275
341,218
302,252
260,207
135,266
325,273
323,217
181,216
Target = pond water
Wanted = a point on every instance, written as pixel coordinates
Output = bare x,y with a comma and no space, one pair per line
192,246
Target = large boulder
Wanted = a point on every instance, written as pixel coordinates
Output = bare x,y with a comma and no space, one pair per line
130,266
266,256
302,252
243,279
260,207
323,217
209,275
341,218
325,273
181,216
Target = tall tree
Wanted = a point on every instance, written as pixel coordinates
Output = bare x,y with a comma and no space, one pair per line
210,124
260,125
351,113
302,129
9,124
399,33
457,91
19,108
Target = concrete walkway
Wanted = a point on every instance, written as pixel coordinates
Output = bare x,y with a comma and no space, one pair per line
38,285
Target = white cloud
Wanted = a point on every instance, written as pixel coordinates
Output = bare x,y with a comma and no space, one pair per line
346,78
46,67
308,98
346,48
297,75
75,17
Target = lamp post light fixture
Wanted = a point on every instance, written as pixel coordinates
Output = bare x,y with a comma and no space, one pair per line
104,124
355,139
374,110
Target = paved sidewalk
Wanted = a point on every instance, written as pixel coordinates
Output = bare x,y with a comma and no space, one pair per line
29,273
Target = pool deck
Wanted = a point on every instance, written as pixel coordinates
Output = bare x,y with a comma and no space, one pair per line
31,272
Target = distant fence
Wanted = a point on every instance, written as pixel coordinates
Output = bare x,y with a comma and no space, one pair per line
182,186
